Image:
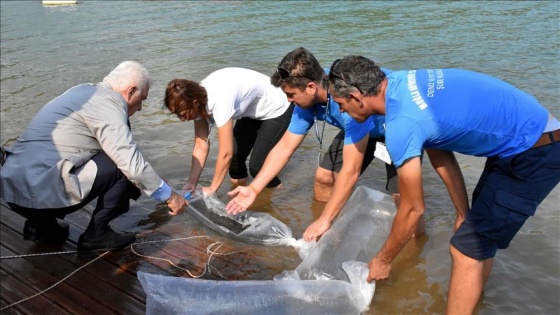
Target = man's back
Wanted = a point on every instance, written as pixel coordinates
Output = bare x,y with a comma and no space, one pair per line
459,110
58,141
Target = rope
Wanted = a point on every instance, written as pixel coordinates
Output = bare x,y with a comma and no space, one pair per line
54,285
210,249
40,254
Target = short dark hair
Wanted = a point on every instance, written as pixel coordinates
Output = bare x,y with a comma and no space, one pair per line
355,72
301,67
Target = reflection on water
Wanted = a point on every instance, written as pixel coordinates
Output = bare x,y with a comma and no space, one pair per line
45,51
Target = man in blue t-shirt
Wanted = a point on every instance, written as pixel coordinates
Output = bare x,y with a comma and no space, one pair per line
447,110
304,81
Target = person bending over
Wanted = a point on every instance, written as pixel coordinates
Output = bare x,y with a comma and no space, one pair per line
79,148
304,81
455,110
261,113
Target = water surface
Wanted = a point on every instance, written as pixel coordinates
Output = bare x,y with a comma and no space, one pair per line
46,50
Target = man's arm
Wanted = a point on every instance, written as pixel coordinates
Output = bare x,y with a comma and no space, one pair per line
352,157
446,165
107,122
408,214
275,161
106,119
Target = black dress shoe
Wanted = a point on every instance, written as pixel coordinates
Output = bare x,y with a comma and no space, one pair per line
50,231
109,241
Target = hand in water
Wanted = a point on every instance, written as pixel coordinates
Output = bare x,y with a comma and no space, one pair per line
207,191
188,188
316,229
176,203
378,270
245,196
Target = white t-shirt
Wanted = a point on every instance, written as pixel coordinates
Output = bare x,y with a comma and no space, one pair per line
234,93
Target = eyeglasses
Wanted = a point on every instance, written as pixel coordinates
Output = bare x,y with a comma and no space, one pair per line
333,75
283,72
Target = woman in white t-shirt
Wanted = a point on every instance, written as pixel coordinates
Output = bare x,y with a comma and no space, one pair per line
262,113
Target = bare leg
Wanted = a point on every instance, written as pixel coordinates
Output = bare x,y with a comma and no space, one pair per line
397,199
324,182
488,263
239,181
466,283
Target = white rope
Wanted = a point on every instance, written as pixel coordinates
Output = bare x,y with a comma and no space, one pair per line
54,285
211,249
40,254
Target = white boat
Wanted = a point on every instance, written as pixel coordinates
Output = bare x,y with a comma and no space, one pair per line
59,2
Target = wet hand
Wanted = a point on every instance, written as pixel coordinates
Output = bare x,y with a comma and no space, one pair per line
378,270
316,229
245,196
176,203
207,191
188,187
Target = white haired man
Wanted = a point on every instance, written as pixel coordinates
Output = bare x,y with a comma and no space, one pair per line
77,148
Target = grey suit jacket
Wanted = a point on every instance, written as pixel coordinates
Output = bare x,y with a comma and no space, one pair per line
50,164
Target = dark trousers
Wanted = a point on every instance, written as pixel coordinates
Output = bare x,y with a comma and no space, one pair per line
332,160
258,136
112,190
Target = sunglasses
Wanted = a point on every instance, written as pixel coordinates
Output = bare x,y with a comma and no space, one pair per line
333,75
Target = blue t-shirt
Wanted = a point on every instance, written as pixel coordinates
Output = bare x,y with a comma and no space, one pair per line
304,118
458,110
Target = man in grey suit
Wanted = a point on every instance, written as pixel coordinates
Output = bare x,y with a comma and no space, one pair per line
77,148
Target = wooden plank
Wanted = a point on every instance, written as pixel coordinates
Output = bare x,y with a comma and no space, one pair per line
65,295
13,290
101,290
116,272
104,269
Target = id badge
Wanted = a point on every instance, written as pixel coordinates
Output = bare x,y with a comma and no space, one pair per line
382,153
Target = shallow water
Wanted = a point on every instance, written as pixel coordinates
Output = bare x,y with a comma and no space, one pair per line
46,50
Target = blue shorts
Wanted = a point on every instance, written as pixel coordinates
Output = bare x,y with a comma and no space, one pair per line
507,194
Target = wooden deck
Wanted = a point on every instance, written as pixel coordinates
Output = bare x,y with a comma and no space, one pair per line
107,284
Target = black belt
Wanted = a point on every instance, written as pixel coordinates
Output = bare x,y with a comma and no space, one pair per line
547,138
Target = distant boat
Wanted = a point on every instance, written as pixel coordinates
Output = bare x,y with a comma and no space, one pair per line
59,2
